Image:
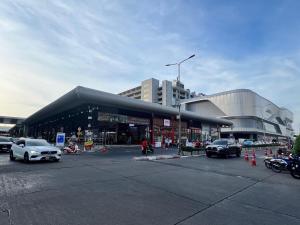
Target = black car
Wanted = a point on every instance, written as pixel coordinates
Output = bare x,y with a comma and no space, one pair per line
5,144
223,147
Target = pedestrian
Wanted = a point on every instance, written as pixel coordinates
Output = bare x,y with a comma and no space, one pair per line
167,142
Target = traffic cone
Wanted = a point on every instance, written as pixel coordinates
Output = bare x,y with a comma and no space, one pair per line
266,152
253,161
246,155
271,153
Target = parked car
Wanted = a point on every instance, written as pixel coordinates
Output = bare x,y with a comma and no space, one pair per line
223,147
5,144
247,143
34,150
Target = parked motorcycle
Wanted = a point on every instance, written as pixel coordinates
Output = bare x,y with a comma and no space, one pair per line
278,165
295,167
71,149
148,149
267,162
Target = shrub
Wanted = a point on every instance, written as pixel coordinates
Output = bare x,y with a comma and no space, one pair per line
296,148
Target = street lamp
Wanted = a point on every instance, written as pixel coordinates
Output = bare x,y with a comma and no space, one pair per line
179,113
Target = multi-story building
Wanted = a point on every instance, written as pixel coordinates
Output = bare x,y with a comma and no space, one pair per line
169,93
253,116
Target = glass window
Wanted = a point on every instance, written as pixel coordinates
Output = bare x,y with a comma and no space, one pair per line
37,143
220,142
4,139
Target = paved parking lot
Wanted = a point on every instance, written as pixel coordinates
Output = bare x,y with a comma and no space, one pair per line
112,188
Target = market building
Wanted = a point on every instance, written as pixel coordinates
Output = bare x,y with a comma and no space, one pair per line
116,119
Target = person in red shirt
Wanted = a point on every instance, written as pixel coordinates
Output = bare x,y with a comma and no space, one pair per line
144,145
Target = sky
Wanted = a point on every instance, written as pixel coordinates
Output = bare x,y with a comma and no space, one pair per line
49,47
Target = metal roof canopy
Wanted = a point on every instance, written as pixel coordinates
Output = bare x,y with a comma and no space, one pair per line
82,95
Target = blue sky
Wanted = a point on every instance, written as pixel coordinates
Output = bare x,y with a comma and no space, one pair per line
49,47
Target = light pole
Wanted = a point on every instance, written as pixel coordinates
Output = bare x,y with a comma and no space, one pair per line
179,105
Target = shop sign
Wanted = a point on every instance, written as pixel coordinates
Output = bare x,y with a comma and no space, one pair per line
167,122
110,117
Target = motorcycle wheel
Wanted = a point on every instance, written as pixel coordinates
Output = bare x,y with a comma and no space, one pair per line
268,164
295,174
276,167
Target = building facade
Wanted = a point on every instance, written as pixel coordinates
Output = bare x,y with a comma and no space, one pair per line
253,116
114,119
169,93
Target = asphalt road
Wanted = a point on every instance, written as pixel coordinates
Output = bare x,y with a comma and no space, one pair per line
112,188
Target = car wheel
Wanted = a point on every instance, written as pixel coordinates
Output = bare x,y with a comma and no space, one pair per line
208,155
56,160
26,157
11,156
238,154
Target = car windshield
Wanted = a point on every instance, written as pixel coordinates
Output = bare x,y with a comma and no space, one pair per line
4,139
37,143
220,142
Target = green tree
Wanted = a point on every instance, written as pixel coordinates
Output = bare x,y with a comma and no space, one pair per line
296,148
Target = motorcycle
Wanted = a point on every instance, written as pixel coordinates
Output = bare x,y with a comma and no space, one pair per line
295,167
148,149
280,164
71,149
267,162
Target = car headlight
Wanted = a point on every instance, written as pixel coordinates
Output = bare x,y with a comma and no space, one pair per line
34,152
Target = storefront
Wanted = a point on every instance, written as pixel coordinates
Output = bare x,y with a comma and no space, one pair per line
111,119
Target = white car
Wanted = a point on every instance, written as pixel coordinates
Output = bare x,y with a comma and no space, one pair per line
34,150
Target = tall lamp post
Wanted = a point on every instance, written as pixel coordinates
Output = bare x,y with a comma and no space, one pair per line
179,105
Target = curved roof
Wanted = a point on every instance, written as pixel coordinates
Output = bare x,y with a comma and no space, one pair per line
82,95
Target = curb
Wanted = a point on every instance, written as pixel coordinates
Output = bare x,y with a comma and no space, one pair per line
161,157
158,157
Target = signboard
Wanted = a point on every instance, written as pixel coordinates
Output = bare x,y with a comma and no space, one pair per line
118,118
167,123
60,139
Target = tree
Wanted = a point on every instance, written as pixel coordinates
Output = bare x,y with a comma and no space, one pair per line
296,148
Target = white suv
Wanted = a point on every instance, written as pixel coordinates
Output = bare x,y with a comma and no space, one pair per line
34,150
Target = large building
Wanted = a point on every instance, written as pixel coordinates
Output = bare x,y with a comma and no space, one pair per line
253,116
169,93
117,119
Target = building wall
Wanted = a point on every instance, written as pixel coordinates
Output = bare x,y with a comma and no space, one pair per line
167,93
237,105
133,93
149,90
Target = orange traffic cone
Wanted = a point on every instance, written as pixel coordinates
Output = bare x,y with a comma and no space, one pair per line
253,161
246,157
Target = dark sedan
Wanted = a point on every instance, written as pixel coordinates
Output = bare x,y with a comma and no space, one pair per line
5,144
223,147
